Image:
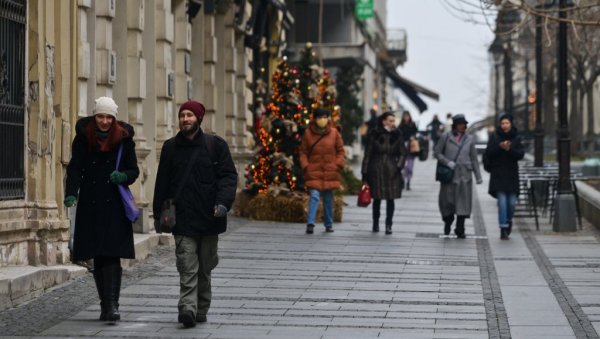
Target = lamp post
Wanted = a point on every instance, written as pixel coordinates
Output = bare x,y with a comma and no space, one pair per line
565,201
497,51
539,79
508,83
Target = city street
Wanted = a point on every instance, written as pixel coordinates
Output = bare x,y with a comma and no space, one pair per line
275,281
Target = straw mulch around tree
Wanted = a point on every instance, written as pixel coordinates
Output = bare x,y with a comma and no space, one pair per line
291,207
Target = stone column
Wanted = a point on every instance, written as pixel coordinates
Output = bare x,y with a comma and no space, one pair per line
164,74
183,48
210,73
136,93
106,57
230,82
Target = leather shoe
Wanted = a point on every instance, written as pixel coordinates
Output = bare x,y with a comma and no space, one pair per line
200,318
310,229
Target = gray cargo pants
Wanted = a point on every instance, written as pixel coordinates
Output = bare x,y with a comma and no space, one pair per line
196,258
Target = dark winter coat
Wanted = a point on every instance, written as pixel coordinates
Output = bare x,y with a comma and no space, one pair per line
322,164
408,130
503,165
101,226
210,182
383,162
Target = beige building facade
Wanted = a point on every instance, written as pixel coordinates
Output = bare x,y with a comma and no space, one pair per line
150,56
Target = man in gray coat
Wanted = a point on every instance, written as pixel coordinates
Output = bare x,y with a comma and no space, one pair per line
456,149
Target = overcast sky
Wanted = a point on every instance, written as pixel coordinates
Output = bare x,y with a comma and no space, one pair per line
446,55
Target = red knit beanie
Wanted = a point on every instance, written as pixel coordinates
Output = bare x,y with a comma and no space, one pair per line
196,108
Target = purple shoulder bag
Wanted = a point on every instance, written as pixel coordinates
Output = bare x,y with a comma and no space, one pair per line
131,210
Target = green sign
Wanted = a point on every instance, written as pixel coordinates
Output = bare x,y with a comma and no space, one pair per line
363,9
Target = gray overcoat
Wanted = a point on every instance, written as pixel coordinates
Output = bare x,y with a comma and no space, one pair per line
457,196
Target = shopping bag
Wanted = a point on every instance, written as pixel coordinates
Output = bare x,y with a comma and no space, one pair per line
364,196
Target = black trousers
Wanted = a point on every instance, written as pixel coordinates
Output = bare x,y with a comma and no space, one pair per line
389,211
460,222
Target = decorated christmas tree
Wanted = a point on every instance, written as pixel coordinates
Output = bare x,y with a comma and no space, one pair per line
316,86
279,134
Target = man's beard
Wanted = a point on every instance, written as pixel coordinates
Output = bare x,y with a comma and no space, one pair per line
191,130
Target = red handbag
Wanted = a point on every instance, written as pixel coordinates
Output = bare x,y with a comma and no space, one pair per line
364,196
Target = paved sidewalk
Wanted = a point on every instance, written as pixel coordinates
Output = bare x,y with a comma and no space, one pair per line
274,281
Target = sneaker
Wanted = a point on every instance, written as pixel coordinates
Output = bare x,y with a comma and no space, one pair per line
187,319
200,318
310,229
329,229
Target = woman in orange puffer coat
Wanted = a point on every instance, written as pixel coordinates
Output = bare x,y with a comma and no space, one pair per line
321,158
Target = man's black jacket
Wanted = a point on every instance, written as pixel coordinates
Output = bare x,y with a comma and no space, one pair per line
210,182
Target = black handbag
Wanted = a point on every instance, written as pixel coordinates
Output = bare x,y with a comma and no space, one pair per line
443,173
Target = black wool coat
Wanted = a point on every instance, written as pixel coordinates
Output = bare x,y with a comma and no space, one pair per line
382,164
210,182
504,167
101,226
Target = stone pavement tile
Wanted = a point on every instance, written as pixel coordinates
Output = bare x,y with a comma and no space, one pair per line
460,334
326,313
167,302
461,324
304,321
526,332
528,273
596,325
308,332
345,333
428,315
416,333
475,308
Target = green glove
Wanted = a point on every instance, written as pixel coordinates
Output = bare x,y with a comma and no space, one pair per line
117,177
70,201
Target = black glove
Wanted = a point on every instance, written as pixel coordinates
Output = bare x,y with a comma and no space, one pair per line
220,211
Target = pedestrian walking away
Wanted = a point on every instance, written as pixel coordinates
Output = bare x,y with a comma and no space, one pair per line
456,150
102,230
435,129
321,157
382,166
501,159
197,171
409,133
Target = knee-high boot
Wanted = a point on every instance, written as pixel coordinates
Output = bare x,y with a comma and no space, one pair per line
460,226
112,288
99,279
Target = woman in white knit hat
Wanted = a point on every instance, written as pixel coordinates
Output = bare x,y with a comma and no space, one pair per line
102,230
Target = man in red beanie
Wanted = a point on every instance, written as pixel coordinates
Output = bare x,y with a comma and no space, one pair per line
197,175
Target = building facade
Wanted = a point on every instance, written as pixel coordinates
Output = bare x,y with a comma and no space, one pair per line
150,56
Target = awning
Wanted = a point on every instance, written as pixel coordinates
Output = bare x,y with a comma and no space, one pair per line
411,89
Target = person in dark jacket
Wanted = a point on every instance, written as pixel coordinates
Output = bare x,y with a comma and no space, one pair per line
382,168
205,197
504,150
102,230
435,129
409,133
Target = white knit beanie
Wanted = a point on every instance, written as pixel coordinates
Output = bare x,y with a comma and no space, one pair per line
106,105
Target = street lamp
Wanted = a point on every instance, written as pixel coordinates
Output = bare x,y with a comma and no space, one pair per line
497,51
565,201
539,79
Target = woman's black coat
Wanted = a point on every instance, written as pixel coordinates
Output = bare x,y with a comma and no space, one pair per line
212,181
382,164
503,165
101,226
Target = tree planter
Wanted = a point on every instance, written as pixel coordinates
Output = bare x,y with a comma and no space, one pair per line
286,208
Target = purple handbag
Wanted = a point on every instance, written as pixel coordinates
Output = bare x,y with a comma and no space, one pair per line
131,210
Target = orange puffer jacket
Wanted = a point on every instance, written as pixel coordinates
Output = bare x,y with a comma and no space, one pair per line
321,167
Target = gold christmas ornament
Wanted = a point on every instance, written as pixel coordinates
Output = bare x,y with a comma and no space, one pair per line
309,44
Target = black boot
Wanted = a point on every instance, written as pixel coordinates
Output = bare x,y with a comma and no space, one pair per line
448,220
408,185
388,229
375,226
504,233
460,227
509,229
112,284
98,278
